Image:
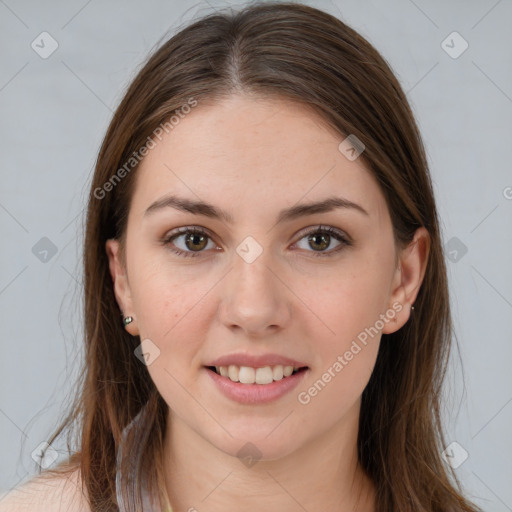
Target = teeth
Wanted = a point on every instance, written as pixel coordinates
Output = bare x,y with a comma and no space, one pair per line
287,370
248,375
277,372
263,375
233,372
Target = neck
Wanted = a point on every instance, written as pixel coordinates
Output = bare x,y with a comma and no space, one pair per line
323,474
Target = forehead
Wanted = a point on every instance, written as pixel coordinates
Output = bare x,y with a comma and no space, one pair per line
250,154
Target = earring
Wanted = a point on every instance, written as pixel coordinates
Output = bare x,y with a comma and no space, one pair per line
127,320
412,307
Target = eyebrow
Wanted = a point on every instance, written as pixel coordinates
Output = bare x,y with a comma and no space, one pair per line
288,214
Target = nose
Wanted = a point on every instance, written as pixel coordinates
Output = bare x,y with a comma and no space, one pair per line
255,298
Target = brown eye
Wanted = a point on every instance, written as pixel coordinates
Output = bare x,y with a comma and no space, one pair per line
188,242
321,238
319,241
196,242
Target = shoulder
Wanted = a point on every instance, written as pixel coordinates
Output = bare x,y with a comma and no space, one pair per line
55,493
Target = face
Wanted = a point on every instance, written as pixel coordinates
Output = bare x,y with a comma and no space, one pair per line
315,287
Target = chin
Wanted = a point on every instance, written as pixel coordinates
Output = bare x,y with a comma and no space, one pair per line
252,447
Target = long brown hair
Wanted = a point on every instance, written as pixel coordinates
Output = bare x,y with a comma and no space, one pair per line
300,53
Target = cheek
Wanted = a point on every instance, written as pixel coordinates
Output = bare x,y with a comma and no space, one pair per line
346,344
352,300
346,328
164,296
173,312
168,307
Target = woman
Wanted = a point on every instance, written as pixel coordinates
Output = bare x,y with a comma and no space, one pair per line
266,305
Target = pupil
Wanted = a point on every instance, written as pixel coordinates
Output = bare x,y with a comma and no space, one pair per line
192,237
325,239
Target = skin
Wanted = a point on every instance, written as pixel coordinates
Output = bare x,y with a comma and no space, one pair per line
253,157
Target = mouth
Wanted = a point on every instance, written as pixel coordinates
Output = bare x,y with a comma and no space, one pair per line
261,375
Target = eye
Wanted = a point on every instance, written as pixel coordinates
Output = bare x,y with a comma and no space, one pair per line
194,240
321,237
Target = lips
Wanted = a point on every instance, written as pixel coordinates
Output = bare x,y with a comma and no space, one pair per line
256,393
256,361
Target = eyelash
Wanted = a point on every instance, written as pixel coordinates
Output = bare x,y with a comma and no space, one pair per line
338,235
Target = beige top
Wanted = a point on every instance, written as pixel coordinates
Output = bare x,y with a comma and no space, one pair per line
59,494
55,494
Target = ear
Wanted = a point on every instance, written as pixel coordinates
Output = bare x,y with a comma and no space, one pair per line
120,283
408,277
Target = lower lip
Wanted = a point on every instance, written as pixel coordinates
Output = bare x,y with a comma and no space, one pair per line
256,393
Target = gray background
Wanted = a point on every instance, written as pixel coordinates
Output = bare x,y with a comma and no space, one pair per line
55,110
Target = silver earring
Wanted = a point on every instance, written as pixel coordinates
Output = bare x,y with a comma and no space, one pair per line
412,307
127,320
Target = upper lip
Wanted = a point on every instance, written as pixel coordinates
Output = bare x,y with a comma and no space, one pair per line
254,361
